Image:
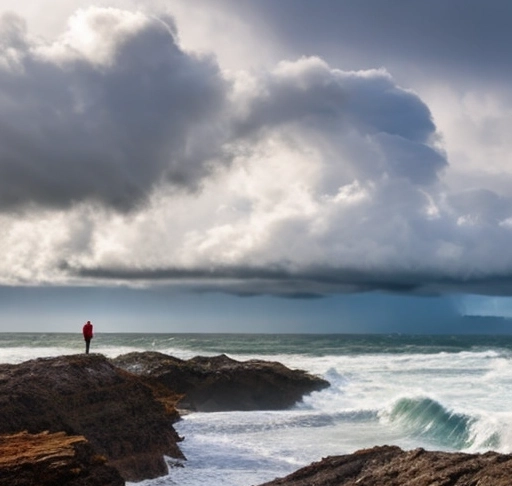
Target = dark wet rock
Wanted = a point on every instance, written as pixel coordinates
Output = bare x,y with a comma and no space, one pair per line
391,466
123,410
53,459
220,383
123,418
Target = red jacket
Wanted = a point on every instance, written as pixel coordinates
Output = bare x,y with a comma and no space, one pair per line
87,330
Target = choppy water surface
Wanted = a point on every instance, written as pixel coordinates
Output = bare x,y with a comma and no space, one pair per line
436,392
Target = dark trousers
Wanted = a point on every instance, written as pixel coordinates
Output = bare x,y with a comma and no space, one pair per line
87,344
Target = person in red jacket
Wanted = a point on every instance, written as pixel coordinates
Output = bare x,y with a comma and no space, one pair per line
88,335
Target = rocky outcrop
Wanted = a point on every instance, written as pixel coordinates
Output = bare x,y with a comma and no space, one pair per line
53,459
87,395
391,466
125,408
220,383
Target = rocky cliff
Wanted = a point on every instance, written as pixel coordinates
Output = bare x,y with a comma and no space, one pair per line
391,466
53,459
87,395
220,383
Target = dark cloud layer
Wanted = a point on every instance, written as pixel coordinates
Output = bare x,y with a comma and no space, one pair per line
309,283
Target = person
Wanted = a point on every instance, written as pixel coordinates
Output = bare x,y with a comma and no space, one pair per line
88,335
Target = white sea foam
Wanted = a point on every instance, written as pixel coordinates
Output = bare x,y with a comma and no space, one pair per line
21,354
417,395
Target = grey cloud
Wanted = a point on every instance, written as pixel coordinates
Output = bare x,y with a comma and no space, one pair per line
259,280
417,162
482,206
377,104
372,102
72,130
12,32
336,104
311,282
467,38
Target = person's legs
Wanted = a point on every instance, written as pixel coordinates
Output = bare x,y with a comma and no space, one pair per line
87,344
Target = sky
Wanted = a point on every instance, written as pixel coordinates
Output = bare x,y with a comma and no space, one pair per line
255,166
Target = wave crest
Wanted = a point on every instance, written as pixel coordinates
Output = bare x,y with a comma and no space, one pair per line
426,418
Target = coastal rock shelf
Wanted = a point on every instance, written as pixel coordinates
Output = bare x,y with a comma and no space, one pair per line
53,459
219,383
391,466
86,411
87,395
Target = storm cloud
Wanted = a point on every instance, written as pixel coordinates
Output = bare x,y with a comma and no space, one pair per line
127,158
104,113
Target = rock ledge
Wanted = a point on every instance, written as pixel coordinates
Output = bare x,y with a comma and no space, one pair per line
220,383
49,459
391,466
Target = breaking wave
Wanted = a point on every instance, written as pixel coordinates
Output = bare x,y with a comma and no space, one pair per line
427,419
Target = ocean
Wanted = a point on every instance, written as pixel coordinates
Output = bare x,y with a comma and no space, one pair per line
440,392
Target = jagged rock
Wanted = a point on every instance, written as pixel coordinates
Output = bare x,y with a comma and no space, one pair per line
391,466
53,459
127,416
87,395
220,383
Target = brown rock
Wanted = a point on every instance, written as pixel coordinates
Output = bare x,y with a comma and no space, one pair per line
220,383
127,417
391,466
53,459
87,395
